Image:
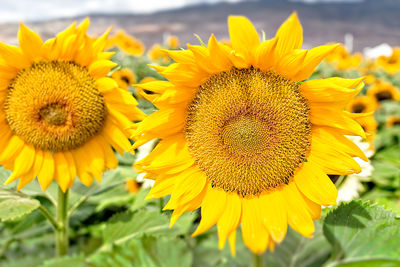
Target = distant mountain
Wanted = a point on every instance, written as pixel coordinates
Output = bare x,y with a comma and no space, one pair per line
372,22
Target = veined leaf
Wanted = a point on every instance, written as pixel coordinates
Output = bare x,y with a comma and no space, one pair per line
364,234
14,204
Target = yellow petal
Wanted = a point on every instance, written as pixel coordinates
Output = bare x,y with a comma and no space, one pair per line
336,139
95,156
316,185
203,59
163,186
244,37
265,55
273,212
231,239
23,163
190,206
83,166
219,55
13,56
291,64
290,36
71,166
46,173
255,236
211,209
62,173
189,184
101,68
312,60
298,217
181,56
116,137
30,42
14,146
328,116
230,218
171,155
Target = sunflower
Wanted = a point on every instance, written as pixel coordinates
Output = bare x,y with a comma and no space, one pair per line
59,111
172,42
362,104
124,78
393,121
132,186
140,91
382,90
244,139
343,60
390,64
127,43
157,54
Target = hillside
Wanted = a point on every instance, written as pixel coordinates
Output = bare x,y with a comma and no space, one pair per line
371,22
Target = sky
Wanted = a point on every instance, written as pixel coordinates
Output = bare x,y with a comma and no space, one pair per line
33,10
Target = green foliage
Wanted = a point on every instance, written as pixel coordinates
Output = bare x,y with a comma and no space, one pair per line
147,251
297,250
361,233
14,204
76,261
125,226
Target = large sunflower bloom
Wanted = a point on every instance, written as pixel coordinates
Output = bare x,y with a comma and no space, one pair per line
60,113
243,139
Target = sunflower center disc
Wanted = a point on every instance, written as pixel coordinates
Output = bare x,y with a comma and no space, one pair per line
248,130
55,106
384,95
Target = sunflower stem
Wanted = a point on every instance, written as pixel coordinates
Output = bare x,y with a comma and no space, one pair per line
62,240
258,260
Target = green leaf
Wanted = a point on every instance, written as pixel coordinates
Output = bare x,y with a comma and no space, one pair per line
207,254
296,250
76,261
125,226
14,204
4,174
361,233
146,251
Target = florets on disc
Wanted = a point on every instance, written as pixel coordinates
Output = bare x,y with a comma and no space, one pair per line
55,106
248,130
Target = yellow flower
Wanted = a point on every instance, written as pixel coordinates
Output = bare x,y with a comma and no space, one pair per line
343,60
362,104
370,79
132,185
172,42
367,69
382,90
139,91
393,121
157,54
59,111
148,79
390,64
127,43
245,139
124,78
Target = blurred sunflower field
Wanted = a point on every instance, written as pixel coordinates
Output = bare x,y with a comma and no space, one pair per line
119,220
